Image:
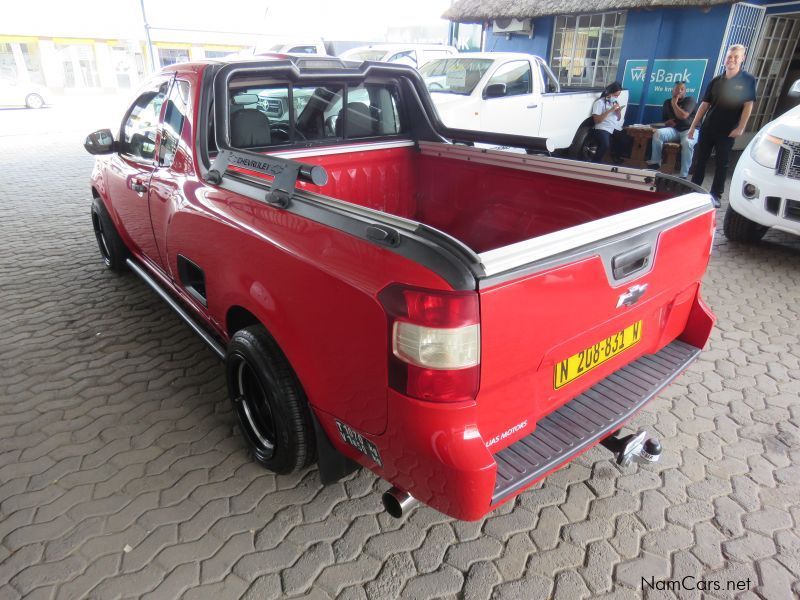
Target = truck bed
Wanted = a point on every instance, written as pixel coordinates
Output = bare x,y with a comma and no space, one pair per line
485,206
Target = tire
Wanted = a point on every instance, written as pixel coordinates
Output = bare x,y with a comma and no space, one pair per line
272,408
112,248
584,146
34,101
741,229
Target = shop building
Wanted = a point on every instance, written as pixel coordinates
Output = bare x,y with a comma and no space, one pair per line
648,45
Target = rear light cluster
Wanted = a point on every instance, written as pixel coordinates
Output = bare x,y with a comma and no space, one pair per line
434,343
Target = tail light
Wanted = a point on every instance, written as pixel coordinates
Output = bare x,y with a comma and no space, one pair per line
434,343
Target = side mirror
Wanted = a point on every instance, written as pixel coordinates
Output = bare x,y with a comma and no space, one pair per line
100,142
794,91
495,90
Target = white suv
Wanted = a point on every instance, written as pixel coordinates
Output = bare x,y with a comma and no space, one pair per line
765,189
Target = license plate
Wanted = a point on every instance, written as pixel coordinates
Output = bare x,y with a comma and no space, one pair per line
359,442
570,369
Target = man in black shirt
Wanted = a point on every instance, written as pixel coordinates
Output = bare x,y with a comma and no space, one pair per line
726,107
677,113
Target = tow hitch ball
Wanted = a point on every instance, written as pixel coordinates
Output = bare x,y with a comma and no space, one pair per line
636,446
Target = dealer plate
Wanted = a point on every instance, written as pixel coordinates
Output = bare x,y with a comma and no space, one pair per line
359,442
570,369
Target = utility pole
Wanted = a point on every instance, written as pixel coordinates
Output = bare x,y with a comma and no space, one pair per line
153,61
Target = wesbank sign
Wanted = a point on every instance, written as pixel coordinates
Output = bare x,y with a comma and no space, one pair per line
665,72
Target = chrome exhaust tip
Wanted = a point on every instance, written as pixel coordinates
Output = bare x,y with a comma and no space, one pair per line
397,502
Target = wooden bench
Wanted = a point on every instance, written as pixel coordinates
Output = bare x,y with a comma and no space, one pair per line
670,155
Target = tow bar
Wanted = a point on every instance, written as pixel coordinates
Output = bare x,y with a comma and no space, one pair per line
636,447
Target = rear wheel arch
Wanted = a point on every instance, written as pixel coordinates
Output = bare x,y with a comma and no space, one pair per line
237,317
112,247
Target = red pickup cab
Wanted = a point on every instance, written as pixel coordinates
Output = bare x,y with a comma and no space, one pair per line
391,293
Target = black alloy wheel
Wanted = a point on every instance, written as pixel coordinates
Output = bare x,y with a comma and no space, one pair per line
273,412
253,408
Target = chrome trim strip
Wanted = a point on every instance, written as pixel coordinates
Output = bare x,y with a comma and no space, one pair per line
346,149
212,343
535,249
560,167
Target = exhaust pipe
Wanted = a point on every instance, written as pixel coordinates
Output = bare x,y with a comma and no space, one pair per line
397,502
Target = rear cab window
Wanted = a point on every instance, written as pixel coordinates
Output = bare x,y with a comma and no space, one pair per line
271,115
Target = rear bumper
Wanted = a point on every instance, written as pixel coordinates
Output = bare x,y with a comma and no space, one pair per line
436,453
588,418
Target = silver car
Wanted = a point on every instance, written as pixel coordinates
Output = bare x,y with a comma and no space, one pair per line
22,93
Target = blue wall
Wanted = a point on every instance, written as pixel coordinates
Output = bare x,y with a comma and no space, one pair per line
685,33
538,45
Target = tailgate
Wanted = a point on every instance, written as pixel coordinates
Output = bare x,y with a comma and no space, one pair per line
594,298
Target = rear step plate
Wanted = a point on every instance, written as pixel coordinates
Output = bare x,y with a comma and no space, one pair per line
588,418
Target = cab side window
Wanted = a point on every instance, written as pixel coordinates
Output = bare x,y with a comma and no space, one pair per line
174,117
516,76
141,125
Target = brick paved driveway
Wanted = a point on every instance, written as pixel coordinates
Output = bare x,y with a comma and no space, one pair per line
122,473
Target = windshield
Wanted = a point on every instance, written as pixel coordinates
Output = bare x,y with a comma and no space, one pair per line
365,55
454,75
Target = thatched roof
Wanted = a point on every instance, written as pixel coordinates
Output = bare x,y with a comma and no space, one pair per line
477,11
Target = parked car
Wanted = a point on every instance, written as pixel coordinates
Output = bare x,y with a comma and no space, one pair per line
765,188
413,55
297,47
460,321
514,93
22,93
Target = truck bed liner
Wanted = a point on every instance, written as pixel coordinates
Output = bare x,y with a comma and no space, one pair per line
588,418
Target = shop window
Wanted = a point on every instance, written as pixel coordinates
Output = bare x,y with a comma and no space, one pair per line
586,48
217,53
33,63
171,56
78,65
8,67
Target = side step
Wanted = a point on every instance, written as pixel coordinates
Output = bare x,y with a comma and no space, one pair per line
588,418
190,321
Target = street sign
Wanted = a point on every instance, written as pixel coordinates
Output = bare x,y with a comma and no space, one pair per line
665,73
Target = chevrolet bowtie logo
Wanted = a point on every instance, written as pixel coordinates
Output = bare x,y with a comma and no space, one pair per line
632,296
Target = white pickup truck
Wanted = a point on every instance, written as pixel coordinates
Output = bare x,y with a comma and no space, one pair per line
506,92
765,189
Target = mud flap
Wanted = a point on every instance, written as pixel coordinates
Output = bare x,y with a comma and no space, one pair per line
333,465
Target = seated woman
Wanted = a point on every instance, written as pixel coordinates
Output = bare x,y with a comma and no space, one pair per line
607,115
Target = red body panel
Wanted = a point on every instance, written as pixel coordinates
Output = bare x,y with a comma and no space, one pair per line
315,289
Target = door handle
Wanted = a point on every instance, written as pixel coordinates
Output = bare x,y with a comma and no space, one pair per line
532,106
138,187
631,261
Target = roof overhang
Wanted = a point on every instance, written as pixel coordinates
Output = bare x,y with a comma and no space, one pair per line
479,11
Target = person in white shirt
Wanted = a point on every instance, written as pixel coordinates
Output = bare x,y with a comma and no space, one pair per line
607,115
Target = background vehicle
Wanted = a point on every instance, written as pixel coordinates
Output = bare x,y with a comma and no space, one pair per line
22,93
413,55
460,321
511,93
765,188
296,47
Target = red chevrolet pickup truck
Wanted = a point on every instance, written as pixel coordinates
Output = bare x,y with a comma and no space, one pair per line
384,292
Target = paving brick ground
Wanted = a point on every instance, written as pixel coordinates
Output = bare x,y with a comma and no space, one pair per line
122,473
